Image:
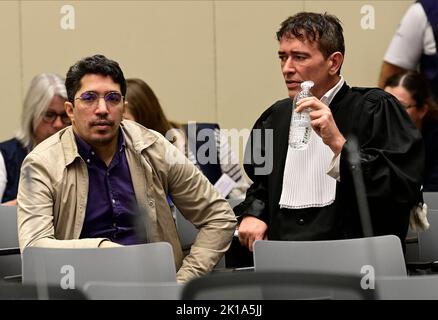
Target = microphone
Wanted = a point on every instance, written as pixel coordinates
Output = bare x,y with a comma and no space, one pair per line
353,158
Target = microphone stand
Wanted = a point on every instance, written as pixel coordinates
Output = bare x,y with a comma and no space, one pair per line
353,158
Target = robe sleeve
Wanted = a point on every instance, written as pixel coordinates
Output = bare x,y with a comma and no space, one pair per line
391,152
255,165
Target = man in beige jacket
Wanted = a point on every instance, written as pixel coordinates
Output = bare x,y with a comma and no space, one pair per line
86,185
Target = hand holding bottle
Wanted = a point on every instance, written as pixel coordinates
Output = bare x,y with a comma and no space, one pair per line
300,128
322,121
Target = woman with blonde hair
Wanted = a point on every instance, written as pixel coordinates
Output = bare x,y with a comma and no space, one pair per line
43,114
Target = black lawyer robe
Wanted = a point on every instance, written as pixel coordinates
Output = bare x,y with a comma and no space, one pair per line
392,159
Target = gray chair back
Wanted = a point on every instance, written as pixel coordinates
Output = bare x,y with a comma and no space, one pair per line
275,286
73,267
407,288
187,231
428,240
133,291
382,256
431,199
421,246
10,259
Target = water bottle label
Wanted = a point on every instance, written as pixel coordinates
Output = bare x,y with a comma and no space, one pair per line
299,132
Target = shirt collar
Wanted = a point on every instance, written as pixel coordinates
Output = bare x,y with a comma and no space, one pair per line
86,151
329,95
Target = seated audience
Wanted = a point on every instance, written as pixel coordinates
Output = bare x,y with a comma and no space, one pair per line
104,182
413,91
43,114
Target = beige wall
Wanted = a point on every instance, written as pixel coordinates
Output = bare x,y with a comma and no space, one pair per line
206,60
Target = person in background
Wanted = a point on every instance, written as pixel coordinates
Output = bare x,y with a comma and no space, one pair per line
413,91
414,45
310,194
43,115
144,108
103,182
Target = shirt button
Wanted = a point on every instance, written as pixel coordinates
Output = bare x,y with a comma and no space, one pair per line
115,225
88,160
114,201
301,221
151,203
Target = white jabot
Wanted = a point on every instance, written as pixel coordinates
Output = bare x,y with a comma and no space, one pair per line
305,179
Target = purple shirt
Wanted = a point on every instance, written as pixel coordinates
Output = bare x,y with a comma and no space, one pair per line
111,199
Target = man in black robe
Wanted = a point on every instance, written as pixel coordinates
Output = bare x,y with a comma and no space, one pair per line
309,194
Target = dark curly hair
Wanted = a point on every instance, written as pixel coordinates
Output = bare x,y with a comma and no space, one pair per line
97,64
325,29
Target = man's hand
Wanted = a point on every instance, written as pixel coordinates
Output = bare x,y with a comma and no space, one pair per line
323,123
109,244
10,203
250,230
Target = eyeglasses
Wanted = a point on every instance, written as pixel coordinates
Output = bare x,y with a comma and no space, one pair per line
91,98
50,117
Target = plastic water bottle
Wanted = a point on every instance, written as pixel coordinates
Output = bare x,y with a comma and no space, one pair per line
300,128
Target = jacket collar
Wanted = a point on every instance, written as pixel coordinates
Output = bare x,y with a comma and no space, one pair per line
136,137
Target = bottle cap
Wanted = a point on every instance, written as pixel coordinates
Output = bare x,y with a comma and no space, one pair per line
307,85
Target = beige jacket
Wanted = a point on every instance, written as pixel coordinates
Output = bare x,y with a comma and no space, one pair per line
53,190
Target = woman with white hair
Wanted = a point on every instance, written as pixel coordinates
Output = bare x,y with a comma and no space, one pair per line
43,114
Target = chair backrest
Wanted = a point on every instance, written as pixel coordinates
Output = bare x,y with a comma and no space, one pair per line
201,137
18,291
426,247
187,231
73,267
421,246
407,288
10,259
431,199
133,291
428,240
275,286
351,256
8,227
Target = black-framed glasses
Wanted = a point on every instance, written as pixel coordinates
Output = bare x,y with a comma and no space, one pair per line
91,98
51,116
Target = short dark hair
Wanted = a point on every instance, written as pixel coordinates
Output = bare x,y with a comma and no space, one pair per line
97,64
420,90
416,84
325,29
